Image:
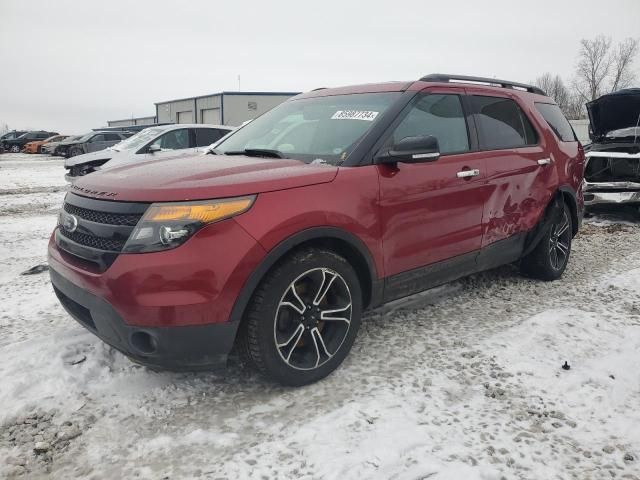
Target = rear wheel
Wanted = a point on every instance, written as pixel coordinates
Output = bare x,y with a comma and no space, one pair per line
550,257
303,318
14,149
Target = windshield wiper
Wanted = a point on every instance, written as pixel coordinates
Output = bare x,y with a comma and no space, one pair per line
258,152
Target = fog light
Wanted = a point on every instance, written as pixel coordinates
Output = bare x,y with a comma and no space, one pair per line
143,342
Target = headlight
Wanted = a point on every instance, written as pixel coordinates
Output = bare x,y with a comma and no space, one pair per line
168,225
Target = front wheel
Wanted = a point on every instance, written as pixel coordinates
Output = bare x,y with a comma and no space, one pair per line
74,152
550,257
303,318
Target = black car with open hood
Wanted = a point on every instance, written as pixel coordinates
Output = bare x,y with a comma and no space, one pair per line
614,112
612,169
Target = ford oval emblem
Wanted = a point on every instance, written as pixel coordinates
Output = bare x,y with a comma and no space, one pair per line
70,223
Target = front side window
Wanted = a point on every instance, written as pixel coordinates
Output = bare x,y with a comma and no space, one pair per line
440,116
97,138
502,123
139,139
557,121
322,128
173,140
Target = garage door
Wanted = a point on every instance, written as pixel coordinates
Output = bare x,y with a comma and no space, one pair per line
184,117
211,116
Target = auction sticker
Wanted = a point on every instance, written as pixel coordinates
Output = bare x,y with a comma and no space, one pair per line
366,115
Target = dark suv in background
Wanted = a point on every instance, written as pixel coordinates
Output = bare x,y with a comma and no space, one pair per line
93,142
16,144
335,201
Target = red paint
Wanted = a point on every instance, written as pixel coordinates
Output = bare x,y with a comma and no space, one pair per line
407,216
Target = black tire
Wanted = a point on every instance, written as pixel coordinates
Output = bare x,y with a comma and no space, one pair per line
551,256
14,149
74,152
320,337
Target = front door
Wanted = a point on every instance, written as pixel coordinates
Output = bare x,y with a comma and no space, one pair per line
432,211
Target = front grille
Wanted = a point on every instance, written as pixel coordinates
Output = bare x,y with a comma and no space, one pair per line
100,229
603,169
103,217
106,244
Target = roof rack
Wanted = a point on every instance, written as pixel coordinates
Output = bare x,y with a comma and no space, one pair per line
443,77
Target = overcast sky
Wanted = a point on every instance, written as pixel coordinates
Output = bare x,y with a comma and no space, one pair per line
70,65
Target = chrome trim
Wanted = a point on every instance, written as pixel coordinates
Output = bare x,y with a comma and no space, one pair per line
468,173
598,198
425,155
544,161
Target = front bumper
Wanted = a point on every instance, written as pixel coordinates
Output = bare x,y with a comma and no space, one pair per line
169,309
201,347
611,193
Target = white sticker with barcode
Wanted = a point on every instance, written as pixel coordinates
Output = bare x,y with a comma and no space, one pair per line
366,115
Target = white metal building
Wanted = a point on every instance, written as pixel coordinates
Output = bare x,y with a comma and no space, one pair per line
581,127
225,108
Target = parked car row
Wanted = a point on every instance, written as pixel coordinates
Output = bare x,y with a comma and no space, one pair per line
16,141
152,143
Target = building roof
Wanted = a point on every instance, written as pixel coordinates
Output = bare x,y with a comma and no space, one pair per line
275,94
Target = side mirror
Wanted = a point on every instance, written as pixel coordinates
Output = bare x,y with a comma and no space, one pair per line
423,148
154,148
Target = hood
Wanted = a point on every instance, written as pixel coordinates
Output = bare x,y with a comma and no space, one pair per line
614,111
105,154
200,177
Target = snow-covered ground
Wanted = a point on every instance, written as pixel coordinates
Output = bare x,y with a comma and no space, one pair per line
463,382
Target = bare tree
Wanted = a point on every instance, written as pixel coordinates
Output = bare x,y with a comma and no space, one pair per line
622,62
594,66
555,88
575,109
3,127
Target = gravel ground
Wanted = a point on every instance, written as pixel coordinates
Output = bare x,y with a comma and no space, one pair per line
461,381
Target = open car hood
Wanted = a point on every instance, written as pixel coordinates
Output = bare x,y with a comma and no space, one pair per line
200,177
614,111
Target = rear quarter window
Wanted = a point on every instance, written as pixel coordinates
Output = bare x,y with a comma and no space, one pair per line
557,121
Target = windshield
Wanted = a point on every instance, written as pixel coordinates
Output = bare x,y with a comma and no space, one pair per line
139,139
85,137
314,129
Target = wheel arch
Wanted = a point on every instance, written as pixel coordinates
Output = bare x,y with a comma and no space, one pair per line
569,197
334,239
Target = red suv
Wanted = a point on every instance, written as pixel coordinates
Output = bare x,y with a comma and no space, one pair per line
336,201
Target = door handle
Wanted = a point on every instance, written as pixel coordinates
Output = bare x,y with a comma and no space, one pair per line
544,161
468,173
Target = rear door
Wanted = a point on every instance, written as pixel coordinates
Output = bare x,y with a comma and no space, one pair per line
519,169
432,211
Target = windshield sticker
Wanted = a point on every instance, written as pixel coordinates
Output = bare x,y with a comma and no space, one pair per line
366,115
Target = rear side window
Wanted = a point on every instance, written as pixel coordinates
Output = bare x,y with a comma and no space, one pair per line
556,120
439,115
207,136
112,136
502,123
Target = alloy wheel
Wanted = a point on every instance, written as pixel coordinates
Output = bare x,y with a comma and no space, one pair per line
312,319
559,242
